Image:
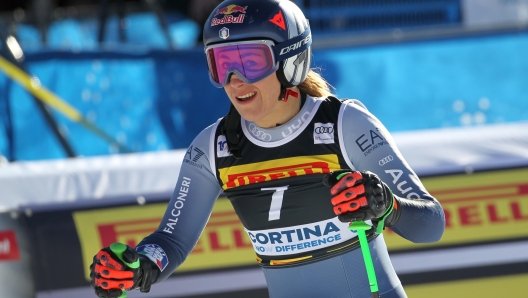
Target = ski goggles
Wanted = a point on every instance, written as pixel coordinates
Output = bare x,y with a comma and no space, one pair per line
251,60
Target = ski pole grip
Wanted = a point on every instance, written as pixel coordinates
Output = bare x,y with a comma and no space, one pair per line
118,249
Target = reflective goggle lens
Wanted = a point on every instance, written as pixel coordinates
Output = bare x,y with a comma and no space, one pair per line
253,61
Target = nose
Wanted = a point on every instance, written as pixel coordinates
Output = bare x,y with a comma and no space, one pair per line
235,81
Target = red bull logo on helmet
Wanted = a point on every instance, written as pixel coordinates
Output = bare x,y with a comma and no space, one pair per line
228,17
233,8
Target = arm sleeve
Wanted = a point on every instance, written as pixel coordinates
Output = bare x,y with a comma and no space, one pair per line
369,147
189,209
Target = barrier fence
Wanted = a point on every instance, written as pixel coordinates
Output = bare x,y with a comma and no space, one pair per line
485,244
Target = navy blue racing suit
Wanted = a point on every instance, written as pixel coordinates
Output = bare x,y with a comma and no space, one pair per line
277,192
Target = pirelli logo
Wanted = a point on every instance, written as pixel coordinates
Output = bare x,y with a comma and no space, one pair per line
277,169
129,232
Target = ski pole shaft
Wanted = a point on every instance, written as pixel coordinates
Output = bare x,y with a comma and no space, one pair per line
361,227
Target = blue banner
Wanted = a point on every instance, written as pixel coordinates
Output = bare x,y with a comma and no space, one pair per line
159,100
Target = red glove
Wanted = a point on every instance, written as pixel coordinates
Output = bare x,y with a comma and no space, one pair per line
118,268
359,196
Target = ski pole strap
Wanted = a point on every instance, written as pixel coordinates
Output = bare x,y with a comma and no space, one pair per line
361,227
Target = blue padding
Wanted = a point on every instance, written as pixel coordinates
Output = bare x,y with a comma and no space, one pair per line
328,16
435,84
156,100
5,121
148,101
142,30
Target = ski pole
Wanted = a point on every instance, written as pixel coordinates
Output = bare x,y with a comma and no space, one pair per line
361,227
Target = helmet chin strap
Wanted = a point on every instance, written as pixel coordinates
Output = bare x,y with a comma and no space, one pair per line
285,93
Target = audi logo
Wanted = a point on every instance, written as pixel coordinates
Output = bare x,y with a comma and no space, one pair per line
323,129
259,134
385,160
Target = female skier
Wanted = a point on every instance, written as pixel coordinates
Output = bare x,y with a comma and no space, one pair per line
297,164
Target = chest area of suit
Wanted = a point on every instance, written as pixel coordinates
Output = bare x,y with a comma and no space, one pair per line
310,145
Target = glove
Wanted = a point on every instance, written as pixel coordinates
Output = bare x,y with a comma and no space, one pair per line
361,196
118,268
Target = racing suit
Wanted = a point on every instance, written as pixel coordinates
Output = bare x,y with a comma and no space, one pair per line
276,189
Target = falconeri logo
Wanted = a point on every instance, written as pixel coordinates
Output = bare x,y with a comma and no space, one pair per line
323,133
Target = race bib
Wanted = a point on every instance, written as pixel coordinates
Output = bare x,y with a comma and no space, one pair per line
301,238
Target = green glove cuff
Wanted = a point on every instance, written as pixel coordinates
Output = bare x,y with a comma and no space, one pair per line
341,175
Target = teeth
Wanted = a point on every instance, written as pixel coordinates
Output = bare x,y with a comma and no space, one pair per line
247,95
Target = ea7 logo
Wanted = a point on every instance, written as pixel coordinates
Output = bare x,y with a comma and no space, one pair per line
385,160
197,153
372,141
364,142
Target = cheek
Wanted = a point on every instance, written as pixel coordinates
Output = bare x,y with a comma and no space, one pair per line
270,87
228,90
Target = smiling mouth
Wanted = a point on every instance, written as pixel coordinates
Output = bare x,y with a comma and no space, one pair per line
247,96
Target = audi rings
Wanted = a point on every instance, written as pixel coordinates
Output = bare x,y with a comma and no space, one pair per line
323,129
259,134
385,160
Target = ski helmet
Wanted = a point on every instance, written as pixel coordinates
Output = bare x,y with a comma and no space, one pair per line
279,21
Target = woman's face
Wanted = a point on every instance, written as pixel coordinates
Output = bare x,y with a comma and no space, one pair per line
257,102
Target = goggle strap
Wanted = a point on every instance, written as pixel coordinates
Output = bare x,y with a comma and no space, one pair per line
288,48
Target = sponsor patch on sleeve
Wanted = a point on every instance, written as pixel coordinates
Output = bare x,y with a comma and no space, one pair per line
155,253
